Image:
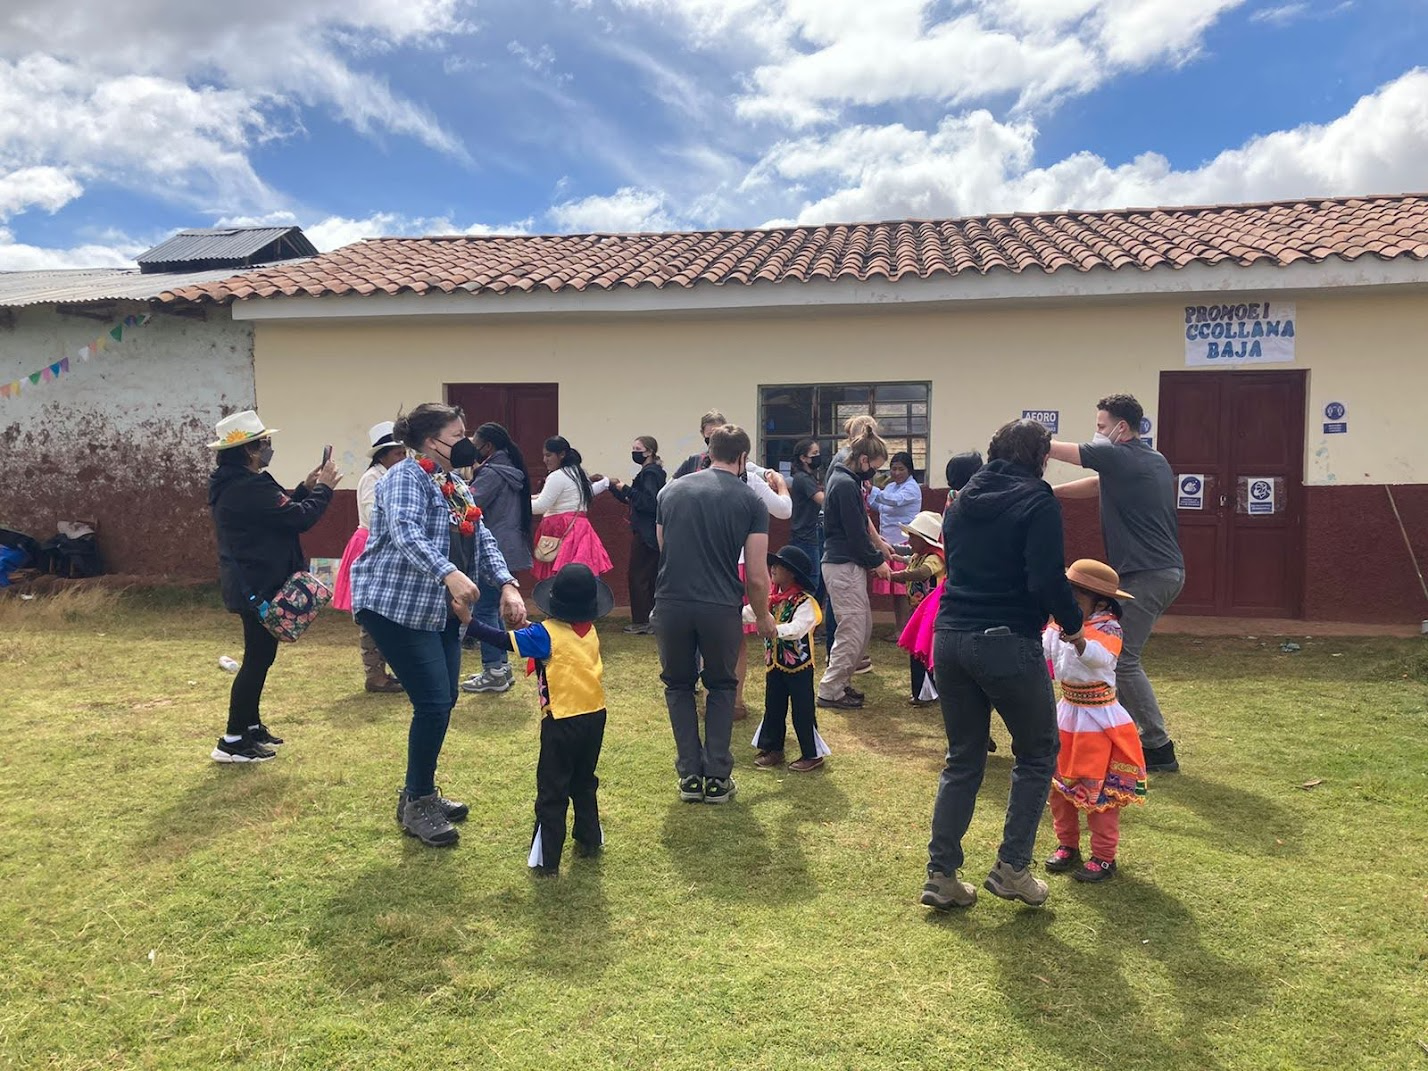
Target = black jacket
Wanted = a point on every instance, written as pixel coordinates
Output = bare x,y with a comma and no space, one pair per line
258,524
846,539
1006,555
692,463
642,496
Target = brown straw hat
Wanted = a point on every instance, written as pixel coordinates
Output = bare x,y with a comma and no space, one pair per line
1097,578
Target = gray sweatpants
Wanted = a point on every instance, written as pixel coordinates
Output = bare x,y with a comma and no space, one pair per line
848,590
686,631
1154,591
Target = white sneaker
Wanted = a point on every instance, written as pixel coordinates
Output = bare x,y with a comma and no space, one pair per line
494,680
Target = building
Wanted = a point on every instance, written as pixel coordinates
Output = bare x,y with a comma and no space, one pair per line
108,397
1276,347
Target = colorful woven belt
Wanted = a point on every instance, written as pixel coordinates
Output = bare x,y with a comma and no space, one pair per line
1088,695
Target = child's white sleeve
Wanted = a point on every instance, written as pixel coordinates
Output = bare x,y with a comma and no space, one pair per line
1049,636
748,615
805,620
1097,655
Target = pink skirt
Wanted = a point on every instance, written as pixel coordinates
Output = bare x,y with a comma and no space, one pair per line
578,545
342,587
917,637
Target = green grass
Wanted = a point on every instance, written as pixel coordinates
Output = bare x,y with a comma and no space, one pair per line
161,911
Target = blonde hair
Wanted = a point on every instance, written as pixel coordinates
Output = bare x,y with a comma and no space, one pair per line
857,426
868,444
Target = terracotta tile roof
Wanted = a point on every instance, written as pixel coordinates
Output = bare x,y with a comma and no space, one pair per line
1277,233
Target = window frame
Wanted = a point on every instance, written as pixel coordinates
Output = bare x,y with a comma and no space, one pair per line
834,439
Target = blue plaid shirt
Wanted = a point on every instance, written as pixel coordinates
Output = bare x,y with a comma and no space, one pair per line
401,574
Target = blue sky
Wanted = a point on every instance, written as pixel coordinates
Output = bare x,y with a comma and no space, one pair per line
356,118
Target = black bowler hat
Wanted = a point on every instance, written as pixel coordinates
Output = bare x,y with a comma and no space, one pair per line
796,561
574,594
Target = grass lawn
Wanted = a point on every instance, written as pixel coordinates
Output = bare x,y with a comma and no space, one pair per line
161,911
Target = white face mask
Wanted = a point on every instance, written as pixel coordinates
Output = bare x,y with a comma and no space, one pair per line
1102,439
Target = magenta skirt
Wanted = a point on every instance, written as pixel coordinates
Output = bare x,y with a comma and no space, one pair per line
342,587
578,544
917,636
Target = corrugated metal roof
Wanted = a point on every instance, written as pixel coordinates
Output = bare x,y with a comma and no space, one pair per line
223,243
78,286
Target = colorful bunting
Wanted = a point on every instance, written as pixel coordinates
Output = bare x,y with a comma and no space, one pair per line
62,367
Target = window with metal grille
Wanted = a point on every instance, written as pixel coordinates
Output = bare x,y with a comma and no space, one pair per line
819,411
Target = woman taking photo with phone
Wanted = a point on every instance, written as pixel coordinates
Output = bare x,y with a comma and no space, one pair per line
258,525
412,589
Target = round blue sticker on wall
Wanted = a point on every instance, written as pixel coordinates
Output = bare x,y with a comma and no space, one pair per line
1335,411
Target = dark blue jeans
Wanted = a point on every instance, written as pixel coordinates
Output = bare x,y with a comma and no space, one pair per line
488,612
429,666
974,673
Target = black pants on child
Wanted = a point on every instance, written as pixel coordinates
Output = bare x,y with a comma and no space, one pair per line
569,751
782,691
260,647
919,674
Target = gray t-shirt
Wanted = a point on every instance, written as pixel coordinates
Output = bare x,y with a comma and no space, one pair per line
1138,516
706,517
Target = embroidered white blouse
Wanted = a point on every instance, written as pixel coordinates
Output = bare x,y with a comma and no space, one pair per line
367,494
561,494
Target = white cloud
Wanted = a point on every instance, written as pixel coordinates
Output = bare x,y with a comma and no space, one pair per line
116,253
1282,15
822,57
47,188
627,210
973,164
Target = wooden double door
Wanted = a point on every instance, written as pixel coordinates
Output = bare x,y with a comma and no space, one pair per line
1236,443
529,411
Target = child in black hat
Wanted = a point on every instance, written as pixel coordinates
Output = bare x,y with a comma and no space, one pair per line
564,652
790,665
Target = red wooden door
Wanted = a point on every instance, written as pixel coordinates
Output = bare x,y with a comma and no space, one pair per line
1243,433
529,411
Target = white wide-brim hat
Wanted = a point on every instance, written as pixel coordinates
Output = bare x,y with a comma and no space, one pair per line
926,524
381,437
239,430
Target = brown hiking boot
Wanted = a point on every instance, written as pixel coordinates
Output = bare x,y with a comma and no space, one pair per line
378,680
768,760
384,685
1012,884
946,891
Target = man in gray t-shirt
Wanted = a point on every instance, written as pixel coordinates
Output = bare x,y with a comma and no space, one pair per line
703,522
1136,488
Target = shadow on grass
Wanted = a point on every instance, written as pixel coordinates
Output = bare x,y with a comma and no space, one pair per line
724,851
225,799
1234,818
1081,1003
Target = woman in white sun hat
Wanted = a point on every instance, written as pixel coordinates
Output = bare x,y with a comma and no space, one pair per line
258,526
384,452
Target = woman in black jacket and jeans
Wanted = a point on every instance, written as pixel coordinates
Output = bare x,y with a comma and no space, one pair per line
258,525
642,496
1006,563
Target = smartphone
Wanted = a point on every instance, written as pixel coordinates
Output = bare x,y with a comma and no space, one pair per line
1000,630
326,454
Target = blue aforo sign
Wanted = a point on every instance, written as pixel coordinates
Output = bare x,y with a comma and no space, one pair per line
1050,419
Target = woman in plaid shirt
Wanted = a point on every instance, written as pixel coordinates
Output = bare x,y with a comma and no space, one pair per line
412,589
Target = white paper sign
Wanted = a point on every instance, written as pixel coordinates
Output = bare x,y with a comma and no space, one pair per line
1261,495
1247,332
1192,491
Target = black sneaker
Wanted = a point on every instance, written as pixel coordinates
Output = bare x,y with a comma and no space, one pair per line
422,818
843,702
691,789
454,811
853,693
589,851
241,750
719,789
262,736
1162,759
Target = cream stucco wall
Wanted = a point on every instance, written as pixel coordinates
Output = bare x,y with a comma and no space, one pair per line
329,380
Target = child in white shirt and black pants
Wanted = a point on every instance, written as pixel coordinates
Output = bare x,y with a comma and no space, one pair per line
790,681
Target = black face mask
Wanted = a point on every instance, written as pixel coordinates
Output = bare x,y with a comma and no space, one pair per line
265,455
815,463
706,440
637,457
866,476
464,454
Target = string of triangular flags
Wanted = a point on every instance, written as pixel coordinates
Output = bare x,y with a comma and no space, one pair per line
118,333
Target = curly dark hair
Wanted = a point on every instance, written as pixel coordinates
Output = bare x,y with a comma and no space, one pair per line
1022,442
961,468
1123,407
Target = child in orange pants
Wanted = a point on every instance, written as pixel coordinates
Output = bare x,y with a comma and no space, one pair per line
1101,767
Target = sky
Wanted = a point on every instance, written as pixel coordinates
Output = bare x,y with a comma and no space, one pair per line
120,124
